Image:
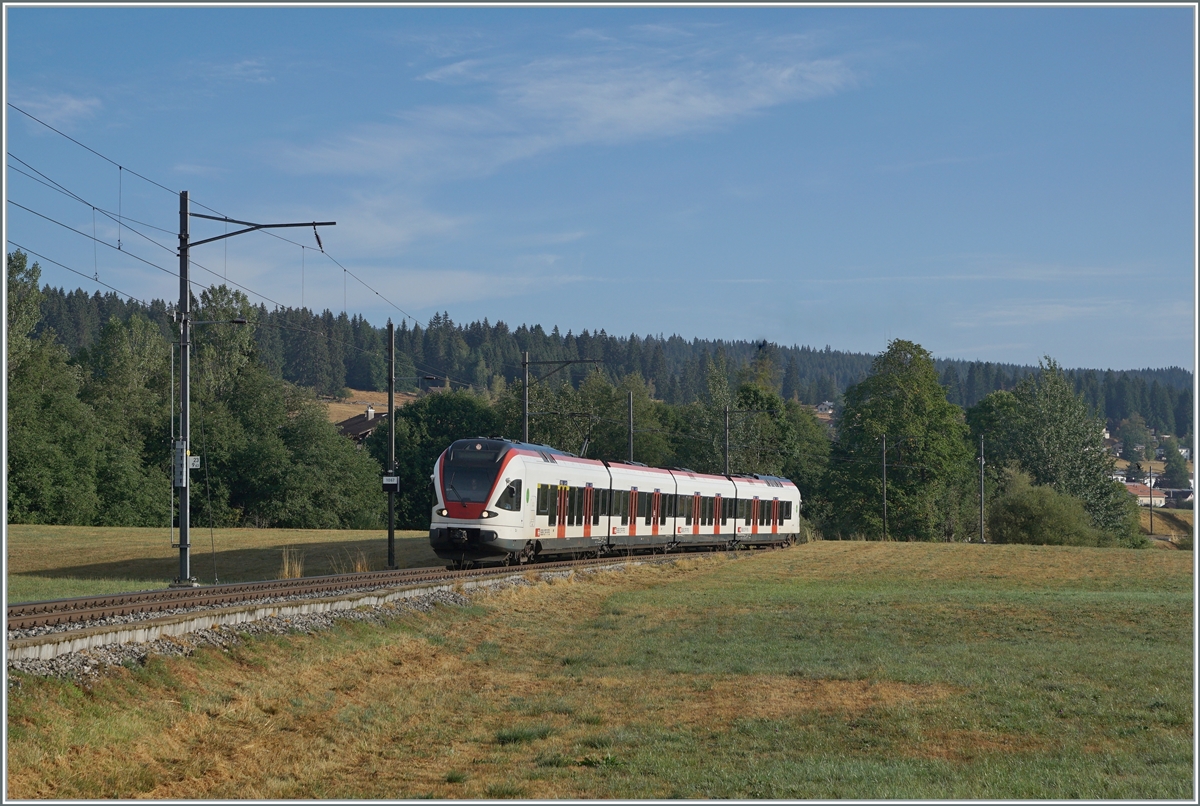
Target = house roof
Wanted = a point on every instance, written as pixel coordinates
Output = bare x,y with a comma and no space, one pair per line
1142,490
359,427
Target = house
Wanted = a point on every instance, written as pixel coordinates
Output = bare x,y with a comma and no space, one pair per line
361,426
1186,453
1176,498
825,408
1145,496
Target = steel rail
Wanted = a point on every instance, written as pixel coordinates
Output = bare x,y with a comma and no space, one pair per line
28,615
86,609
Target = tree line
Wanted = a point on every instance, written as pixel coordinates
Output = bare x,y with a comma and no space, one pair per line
328,352
90,429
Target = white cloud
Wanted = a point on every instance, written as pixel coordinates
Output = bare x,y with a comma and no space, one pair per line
61,110
1027,312
553,238
191,169
601,94
252,71
380,224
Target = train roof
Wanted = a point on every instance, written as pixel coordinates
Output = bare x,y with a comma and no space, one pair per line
771,481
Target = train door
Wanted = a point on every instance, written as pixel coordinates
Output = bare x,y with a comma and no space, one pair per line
633,497
717,514
655,503
588,494
754,505
562,509
775,517
697,513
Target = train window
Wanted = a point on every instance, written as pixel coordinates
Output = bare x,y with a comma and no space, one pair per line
726,505
624,507
552,503
686,503
510,499
543,496
709,503
577,506
666,508
785,511
643,506
597,500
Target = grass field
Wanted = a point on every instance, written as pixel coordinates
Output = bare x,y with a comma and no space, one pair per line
57,562
356,404
829,670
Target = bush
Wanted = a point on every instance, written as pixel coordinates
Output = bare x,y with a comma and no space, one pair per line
1040,515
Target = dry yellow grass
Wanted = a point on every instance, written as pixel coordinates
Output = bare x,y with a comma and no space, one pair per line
356,404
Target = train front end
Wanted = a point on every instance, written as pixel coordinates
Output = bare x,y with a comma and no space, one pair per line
479,513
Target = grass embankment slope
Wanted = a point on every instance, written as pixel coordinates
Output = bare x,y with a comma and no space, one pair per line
57,562
830,670
1171,523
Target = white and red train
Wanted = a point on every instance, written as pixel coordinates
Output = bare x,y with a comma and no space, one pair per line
505,501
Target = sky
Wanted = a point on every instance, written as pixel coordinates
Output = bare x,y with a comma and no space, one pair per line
994,183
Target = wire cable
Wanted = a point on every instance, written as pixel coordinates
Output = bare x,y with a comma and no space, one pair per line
94,151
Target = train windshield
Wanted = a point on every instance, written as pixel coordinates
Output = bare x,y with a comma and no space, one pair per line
470,469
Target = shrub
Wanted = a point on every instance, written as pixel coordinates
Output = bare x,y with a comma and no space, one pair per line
1040,515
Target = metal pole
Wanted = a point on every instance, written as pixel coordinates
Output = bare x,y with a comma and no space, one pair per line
885,536
726,440
182,452
391,331
171,511
525,396
631,426
1151,495
981,463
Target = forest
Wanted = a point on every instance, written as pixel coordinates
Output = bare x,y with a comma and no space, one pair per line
90,391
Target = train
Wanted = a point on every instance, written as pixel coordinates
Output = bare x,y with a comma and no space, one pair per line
513,502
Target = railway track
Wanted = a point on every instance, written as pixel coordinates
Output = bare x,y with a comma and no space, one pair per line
90,609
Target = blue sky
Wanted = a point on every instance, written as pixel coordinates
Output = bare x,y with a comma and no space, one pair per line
993,183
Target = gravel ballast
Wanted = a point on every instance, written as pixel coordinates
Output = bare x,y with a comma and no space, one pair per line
87,665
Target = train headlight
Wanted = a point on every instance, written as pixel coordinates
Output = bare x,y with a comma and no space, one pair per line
487,513
445,513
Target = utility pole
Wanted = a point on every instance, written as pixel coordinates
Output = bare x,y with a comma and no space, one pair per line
726,439
630,426
1151,495
182,459
885,535
981,464
525,396
391,332
185,399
